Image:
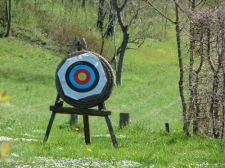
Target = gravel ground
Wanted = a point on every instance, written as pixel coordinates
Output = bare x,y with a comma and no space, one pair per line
88,162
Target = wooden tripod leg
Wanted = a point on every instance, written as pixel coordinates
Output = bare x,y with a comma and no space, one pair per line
49,126
86,130
112,134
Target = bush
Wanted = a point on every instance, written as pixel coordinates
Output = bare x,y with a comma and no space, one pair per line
60,23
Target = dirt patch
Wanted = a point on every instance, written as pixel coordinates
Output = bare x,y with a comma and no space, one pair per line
7,139
87,162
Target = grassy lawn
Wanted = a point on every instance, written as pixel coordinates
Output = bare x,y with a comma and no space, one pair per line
149,93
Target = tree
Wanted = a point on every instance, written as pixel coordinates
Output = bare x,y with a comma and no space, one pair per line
101,14
180,58
128,19
110,27
202,92
124,28
6,17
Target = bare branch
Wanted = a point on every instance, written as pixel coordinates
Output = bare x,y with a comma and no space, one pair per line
201,2
135,15
181,9
159,12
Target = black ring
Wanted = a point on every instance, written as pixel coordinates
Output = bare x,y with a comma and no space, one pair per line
82,63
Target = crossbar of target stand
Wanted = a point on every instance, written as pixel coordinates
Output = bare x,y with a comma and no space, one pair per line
85,112
91,112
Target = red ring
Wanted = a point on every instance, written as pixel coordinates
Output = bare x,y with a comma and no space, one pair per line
82,82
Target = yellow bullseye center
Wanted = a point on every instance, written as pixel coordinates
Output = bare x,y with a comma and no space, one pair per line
82,76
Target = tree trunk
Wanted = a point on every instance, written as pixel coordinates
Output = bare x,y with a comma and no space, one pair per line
9,17
209,115
223,103
110,28
35,5
102,44
196,119
123,46
197,108
181,68
191,110
121,58
223,72
101,15
83,3
166,21
215,105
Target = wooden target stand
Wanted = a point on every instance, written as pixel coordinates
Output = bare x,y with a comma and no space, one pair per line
100,112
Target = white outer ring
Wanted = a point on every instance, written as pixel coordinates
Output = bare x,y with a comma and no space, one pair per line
88,57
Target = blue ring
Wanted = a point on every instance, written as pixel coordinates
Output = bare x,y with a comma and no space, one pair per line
77,85
94,76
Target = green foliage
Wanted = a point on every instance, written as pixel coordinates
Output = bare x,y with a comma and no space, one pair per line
59,23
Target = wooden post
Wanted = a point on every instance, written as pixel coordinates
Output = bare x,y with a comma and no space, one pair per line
109,125
167,127
124,120
77,45
49,126
58,103
111,131
73,120
73,117
86,130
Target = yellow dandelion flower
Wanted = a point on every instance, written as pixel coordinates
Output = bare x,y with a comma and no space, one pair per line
5,149
3,96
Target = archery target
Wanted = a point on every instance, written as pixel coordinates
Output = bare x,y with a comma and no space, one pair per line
82,76
83,79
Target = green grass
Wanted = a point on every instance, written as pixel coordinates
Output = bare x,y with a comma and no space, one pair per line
149,93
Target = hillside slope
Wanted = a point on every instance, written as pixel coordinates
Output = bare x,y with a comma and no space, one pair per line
149,93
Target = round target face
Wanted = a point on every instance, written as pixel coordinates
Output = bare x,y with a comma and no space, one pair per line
84,79
82,76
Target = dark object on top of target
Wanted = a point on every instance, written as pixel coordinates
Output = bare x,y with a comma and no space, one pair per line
84,79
